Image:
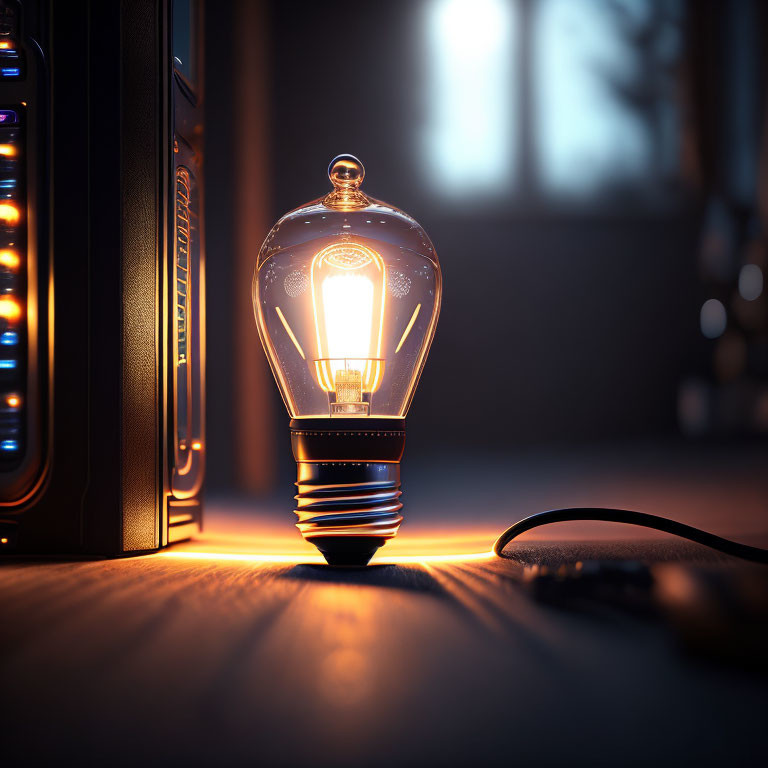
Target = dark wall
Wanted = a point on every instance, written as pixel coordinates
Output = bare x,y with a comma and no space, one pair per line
555,325
219,181
559,323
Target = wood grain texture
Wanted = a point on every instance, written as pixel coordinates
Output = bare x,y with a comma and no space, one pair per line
163,660
173,662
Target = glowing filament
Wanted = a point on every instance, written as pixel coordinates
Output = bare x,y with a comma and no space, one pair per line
348,294
348,304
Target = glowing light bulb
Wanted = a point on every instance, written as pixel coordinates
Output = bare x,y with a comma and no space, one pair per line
346,295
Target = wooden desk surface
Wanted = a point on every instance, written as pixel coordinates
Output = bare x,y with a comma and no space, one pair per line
197,660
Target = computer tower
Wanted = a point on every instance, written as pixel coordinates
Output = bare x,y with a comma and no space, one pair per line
102,281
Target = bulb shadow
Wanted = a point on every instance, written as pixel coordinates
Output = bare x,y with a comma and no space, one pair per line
384,576
484,595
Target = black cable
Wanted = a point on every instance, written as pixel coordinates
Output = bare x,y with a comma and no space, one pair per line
755,554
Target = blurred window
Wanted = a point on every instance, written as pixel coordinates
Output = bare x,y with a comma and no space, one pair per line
470,139
558,97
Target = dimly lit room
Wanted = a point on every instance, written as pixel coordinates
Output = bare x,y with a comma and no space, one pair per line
383,383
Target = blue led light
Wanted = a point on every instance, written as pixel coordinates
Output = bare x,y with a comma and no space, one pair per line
10,71
7,183
7,364
9,338
9,445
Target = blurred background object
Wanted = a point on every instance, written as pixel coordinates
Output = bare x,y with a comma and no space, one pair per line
589,172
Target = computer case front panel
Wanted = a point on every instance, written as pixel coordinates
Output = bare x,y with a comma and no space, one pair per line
120,474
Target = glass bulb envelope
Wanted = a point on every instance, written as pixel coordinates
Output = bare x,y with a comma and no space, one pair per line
346,294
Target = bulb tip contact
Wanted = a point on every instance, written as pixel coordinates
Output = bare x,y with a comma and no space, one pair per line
347,551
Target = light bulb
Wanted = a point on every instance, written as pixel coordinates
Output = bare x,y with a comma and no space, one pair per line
346,294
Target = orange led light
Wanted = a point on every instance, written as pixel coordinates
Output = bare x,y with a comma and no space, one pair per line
4,540
9,308
13,401
9,213
8,150
9,259
5,45
196,445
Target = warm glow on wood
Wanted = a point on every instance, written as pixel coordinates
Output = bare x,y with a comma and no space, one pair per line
246,557
230,540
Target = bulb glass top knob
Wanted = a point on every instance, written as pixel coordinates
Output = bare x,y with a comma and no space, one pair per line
346,172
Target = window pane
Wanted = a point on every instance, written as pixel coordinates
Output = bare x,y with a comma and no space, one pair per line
470,137
604,109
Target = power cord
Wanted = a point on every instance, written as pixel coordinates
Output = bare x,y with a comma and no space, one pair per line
745,552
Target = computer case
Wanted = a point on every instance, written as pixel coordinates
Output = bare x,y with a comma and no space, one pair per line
102,378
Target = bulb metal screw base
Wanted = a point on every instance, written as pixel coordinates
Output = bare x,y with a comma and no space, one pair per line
348,500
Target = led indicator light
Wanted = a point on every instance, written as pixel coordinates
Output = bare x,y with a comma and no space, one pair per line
7,364
7,183
9,259
9,308
8,150
13,401
9,213
10,71
9,338
8,116
9,445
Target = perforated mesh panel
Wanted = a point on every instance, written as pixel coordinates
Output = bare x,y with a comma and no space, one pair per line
140,128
